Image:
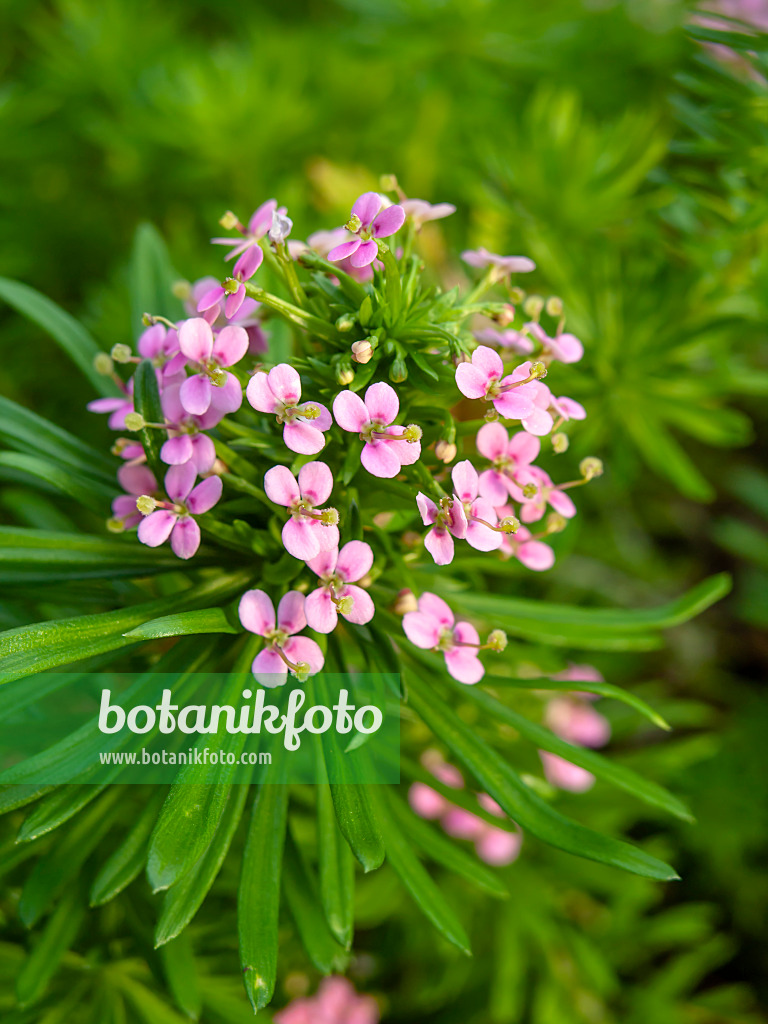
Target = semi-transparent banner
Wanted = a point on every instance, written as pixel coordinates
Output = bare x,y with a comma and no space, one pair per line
199,729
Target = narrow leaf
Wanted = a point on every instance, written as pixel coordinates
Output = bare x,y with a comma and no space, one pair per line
300,894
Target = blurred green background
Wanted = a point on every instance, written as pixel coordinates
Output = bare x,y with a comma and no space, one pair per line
609,143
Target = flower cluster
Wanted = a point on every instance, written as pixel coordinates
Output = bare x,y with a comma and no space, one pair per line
246,452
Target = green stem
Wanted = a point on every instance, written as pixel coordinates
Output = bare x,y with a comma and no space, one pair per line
393,283
293,314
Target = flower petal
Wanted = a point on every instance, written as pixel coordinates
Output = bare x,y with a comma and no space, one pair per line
285,383
324,564
465,480
365,254
435,606
247,264
564,775
363,608
269,668
260,395
536,555
562,503
380,460
515,405
303,438
524,448
427,509
290,612
203,453
498,847
179,481
382,403
491,486
492,441
427,802
366,207
315,482
439,543
464,665
196,339
321,420
230,345
471,381
388,221
321,611
350,412
537,422
257,613
301,648
482,539
281,487
177,450
229,397
137,479
422,629
203,497
156,528
301,539
343,251
185,537
354,561
195,394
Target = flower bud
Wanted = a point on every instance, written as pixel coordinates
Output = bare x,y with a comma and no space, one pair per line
554,306
345,322
530,490
329,517
461,357
533,306
412,433
492,416
516,295
146,504
115,525
120,445
218,377
121,353
102,364
281,227
538,370
362,351
345,605
398,371
344,372
446,451
148,320
506,316
405,602
509,524
555,523
591,467
560,443
229,221
497,640
135,421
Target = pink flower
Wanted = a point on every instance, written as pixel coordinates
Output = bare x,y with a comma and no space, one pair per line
186,440
211,386
564,347
174,518
577,722
539,421
258,226
564,775
338,570
368,222
548,493
511,460
232,292
432,627
534,554
448,520
427,802
513,340
284,650
135,481
246,316
161,344
569,408
480,513
502,266
420,211
278,392
498,847
387,449
484,378
336,1002
118,407
309,530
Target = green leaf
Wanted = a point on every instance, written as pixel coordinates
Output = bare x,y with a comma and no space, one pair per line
182,975
301,896
56,808
584,627
415,877
443,851
152,278
665,455
600,766
149,1007
62,861
502,783
28,650
49,476
57,936
64,329
202,620
126,862
351,800
25,431
336,869
183,900
42,556
146,401
258,899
